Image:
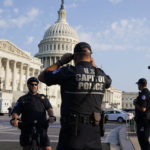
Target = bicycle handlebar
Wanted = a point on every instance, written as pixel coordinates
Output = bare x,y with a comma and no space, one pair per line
35,123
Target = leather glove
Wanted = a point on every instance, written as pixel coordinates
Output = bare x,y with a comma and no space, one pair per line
66,58
93,63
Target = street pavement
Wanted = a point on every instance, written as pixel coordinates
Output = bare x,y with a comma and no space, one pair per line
9,136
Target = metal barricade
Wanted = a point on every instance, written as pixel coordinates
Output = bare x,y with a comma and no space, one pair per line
132,125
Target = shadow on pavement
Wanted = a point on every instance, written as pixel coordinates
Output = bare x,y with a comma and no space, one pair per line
16,146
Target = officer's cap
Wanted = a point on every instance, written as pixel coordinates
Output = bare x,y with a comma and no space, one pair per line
82,47
142,81
32,79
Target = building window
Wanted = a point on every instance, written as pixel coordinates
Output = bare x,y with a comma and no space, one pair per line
58,47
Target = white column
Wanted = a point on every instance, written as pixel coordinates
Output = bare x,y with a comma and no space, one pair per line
14,77
33,72
46,61
6,74
27,72
50,61
54,59
27,75
21,74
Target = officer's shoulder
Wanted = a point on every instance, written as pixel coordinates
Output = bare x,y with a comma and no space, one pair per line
22,97
68,67
100,70
42,96
146,91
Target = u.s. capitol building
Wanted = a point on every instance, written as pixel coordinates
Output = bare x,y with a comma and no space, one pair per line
16,65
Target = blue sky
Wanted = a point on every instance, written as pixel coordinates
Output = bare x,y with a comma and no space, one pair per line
118,31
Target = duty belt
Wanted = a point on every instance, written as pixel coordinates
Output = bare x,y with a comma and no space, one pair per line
85,119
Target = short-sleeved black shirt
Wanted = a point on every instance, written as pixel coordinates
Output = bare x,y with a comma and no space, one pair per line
143,100
76,83
32,107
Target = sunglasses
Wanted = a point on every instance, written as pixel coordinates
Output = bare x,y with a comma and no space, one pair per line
33,84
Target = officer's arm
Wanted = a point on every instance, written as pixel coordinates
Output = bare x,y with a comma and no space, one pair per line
15,121
64,60
50,68
140,108
50,112
52,118
15,116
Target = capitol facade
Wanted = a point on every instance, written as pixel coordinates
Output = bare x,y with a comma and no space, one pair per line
16,66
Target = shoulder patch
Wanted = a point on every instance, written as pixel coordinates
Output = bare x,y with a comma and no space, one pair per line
16,104
42,97
143,97
56,71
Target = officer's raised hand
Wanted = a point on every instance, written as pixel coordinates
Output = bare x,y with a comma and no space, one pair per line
93,63
66,58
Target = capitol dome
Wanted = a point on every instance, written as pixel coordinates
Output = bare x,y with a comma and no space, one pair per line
60,29
60,38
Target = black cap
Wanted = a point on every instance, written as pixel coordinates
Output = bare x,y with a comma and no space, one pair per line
32,79
142,81
80,48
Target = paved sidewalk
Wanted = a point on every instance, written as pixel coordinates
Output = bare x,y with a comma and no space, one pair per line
135,142
128,140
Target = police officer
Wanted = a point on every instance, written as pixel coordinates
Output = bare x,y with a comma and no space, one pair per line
142,107
82,91
32,106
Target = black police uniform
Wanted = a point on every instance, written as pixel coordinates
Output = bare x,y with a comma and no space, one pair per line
32,107
142,123
79,101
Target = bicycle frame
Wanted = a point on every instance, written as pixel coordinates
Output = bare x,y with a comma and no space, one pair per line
34,137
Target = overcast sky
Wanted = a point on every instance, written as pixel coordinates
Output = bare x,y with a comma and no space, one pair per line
118,31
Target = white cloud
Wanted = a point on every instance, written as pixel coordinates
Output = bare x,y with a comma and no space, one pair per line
73,5
33,13
125,34
3,24
115,1
129,28
16,10
8,2
1,10
30,39
29,17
